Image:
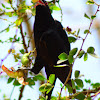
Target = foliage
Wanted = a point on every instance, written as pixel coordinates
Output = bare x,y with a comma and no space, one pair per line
25,58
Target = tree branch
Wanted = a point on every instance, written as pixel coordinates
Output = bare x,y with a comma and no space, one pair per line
23,86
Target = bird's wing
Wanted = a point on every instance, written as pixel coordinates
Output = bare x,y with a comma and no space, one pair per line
52,45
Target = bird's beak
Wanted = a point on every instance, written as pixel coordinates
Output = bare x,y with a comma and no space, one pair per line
38,2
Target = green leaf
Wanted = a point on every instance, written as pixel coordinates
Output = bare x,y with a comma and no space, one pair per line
7,29
31,81
40,77
42,98
77,73
63,56
63,65
85,15
18,22
54,7
85,57
70,90
90,2
71,39
95,85
90,50
81,53
22,51
78,31
86,31
73,84
61,61
98,98
93,16
1,10
70,59
8,8
8,14
45,87
89,98
10,80
80,96
94,55
87,81
3,5
79,82
53,98
16,83
51,78
73,51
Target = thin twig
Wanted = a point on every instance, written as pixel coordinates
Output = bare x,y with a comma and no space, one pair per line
96,91
23,86
23,38
68,77
7,27
61,12
12,92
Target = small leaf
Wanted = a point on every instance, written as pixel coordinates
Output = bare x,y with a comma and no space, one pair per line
77,73
45,87
7,29
98,98
85,57
63,56
8,14
70,59
87,81
8,8
54,7
80,96
73,84
71,39
93,16
70,90
30,81
3,5
51,78
94,55
86,31
81,54
85,15
22,51
61,61
79,82
40,77
18,22
90,2
16,83
63,65
10,80
78,31
73,51
53,98
95,85
90,50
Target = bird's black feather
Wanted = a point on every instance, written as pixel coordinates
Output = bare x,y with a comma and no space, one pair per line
50,40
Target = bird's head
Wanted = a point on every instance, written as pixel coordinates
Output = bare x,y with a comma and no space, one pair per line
40,2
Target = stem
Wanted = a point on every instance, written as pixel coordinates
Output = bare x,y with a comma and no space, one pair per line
68,77
23,38
23,86
96,91
12,92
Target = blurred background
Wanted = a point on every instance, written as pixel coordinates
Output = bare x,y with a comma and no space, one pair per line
72,16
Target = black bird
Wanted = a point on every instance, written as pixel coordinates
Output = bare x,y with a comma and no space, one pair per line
50,40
